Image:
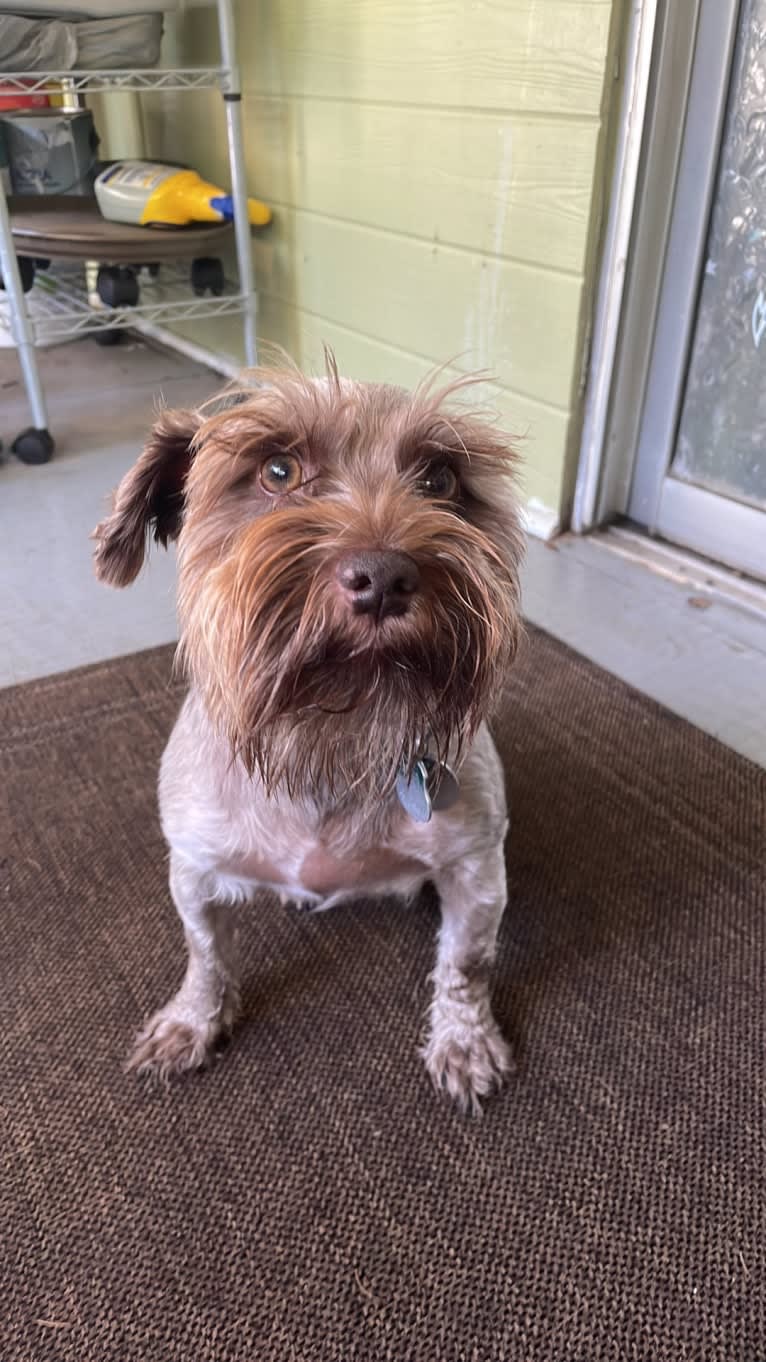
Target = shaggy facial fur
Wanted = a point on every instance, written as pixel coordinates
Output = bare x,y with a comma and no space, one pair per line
320,677
307,692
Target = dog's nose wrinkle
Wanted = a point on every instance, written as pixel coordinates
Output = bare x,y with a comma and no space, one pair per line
378,582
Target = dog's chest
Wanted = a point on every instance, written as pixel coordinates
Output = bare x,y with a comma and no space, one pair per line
323,873
222,820
316,863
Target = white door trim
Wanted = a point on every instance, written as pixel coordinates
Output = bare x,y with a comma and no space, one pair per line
733,532
608,310
693,199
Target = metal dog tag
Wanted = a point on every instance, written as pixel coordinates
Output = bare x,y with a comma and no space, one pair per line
431,787
413,793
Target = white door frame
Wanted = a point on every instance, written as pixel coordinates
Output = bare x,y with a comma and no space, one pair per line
635,397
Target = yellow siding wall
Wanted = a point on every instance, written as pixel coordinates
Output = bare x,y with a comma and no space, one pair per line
434,169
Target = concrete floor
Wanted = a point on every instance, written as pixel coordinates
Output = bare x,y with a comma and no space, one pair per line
684,644
683,638
53,613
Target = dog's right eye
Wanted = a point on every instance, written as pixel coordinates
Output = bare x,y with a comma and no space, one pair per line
281,473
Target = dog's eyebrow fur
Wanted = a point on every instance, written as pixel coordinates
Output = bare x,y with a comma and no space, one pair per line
340,421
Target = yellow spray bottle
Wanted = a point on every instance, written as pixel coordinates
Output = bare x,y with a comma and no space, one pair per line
148,194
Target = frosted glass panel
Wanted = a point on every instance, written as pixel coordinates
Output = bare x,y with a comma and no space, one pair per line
722,435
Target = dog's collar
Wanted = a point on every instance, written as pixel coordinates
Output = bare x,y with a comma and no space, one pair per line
430,787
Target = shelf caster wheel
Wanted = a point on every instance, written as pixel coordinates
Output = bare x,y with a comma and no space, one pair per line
27,272
207,273
109,335
153,269
117,286
33,446
42,265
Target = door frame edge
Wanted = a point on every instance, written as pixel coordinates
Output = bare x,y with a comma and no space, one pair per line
634,389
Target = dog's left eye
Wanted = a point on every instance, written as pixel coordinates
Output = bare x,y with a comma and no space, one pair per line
438,481
281,473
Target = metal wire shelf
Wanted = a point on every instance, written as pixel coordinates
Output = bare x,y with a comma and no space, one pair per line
60,306
93,82
63,308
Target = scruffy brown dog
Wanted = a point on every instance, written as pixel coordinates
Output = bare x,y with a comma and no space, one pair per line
348,599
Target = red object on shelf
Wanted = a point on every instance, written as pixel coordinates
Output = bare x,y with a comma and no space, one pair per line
13,99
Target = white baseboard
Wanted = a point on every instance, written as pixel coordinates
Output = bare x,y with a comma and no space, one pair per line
539,520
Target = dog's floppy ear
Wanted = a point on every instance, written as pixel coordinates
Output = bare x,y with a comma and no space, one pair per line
149,498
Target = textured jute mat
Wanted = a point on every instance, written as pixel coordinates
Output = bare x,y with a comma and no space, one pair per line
308,1199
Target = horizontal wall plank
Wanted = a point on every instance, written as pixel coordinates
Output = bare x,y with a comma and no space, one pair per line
444,304
547,55
503,184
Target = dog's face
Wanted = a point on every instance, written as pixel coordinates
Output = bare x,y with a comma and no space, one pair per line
348,571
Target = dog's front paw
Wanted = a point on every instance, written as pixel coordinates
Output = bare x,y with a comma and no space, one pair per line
467,1064
302,905
169,1045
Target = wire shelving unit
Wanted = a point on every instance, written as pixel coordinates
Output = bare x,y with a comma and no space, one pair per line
62,308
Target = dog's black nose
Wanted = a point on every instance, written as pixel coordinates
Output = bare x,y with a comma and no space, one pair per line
379,581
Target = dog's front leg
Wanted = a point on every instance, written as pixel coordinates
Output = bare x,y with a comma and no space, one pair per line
465,1053
182,1034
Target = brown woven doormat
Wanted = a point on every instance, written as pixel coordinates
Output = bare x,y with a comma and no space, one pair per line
308,1199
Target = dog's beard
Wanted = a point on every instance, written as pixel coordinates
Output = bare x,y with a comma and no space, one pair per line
345,719
325,703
